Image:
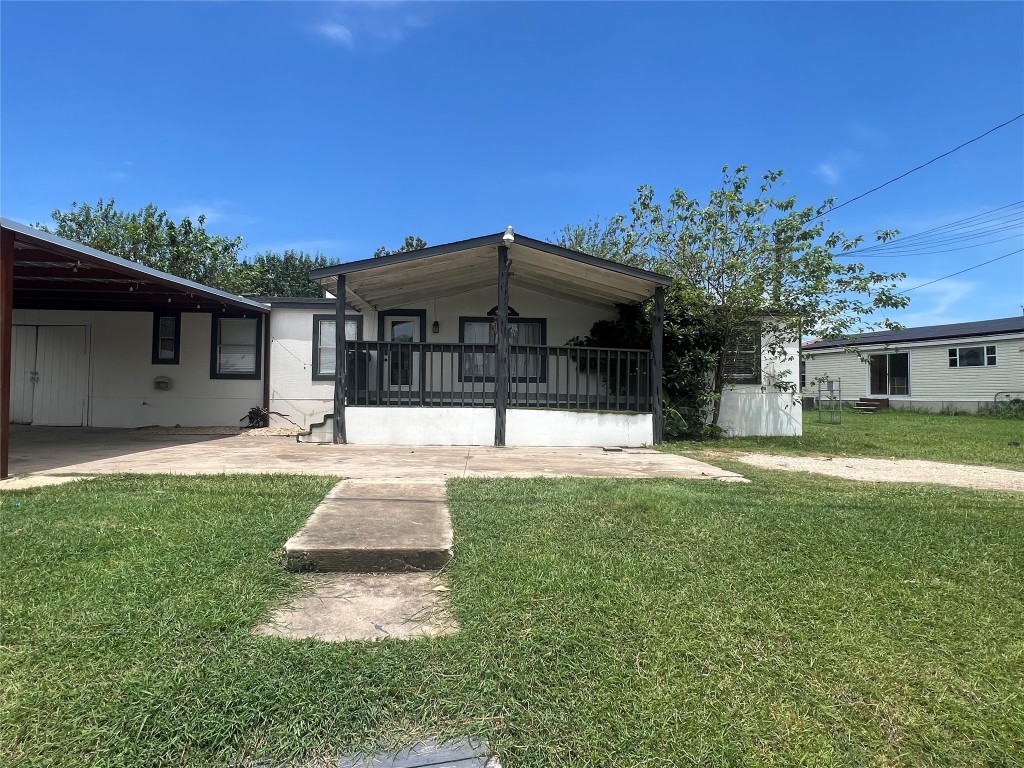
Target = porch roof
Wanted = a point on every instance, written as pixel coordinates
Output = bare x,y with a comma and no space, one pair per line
453,268
53,273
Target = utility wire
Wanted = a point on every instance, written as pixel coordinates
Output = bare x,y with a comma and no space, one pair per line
940,279
918,168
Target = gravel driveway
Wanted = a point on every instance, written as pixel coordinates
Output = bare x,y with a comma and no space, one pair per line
893,470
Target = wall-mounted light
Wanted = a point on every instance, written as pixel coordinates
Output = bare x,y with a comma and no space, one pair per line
436,328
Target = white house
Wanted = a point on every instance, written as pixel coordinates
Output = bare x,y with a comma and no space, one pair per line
962,366
460,344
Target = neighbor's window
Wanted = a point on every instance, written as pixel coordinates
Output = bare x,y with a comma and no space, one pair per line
235,352
524,364
972,357
743,356
324,343
166,338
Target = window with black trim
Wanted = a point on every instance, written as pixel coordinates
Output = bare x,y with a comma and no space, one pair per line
743,355
324,343
235,347
166,338
972,357
524,364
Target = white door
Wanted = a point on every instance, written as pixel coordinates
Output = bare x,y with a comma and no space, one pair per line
62,372
23,373
402,367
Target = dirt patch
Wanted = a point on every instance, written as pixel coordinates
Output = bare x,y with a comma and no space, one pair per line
892,470
273,432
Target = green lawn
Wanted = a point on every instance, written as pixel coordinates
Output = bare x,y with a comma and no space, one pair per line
791,621
961,439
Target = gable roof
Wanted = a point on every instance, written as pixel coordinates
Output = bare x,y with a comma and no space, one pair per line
928,333
441,270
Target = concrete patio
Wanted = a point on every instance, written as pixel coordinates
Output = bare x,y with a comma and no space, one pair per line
82,450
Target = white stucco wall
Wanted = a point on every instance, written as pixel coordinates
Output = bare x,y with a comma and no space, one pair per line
121,372
419,426
292,389
752,409
540,427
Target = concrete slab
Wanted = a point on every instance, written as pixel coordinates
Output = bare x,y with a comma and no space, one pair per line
341,607
366,527
59,450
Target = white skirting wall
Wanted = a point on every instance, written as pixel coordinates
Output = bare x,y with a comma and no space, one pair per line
475,426
532,426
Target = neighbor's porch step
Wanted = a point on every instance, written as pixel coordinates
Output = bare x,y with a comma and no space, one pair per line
375,527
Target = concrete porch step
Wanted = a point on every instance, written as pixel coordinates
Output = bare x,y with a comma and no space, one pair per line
375,527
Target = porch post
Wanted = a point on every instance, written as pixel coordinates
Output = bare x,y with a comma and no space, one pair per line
6,316
657,362
340,364
501,362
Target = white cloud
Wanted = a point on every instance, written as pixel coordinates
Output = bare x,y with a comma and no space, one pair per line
828,172
212,211
378,25
336,32
945,302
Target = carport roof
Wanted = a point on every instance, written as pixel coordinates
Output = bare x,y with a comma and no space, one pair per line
445,270
53,273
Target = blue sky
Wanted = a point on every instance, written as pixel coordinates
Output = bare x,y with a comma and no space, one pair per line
341,127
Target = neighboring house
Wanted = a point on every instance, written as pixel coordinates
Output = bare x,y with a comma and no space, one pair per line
962,366
464,343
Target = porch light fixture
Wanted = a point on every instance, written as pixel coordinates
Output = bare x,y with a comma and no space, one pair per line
436,327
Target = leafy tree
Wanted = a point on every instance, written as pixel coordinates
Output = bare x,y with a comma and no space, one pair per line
149,236
287,274
412,243
740,259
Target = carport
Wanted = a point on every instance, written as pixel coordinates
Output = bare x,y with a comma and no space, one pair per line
42,272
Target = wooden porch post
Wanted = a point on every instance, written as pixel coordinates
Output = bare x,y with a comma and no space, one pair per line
657,362
6,317
340,364
501,362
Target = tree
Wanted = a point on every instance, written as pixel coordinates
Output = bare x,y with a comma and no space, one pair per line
287,274
741,261
149,236
412,243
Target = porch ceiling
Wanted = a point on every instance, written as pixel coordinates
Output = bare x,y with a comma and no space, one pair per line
53,273
447,270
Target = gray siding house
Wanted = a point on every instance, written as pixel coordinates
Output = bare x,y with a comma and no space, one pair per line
962,366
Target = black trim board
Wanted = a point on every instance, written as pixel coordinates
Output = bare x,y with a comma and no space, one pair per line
214,327
317,319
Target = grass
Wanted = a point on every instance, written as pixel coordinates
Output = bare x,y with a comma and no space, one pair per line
960,439
791,621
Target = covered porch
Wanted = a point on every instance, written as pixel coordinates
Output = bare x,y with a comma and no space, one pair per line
502,382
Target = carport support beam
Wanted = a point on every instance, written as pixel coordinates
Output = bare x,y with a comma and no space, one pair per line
502,352
657,363
6,319
340,364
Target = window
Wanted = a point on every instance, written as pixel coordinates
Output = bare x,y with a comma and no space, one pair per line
166,338
743,356
235,347
524,364
972,357
324,343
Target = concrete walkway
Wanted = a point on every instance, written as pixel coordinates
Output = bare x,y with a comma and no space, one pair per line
57,450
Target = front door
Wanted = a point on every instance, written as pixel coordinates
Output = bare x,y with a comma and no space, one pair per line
889,374
49,375
402,368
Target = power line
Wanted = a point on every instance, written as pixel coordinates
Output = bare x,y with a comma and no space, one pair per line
918,168
940,279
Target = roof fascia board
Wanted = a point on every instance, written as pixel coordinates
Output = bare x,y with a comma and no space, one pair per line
958,341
